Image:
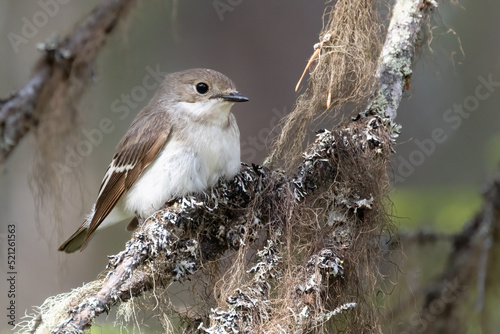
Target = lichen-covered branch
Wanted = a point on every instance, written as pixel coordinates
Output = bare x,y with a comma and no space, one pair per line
191,230
63,61
396,59
176,240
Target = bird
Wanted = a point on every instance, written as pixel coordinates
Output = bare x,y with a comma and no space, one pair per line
182,142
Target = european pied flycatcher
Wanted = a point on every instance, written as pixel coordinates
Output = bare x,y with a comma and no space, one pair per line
182,142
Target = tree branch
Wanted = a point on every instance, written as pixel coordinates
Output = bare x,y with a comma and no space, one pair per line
72,57
467,263
396,59
203,227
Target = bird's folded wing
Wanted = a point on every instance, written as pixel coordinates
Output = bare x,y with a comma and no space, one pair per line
134,154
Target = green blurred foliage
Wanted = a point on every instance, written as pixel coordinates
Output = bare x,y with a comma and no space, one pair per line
440,207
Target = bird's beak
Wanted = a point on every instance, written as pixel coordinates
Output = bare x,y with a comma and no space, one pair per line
234,97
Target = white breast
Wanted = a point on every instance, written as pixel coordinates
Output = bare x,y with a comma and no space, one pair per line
190,163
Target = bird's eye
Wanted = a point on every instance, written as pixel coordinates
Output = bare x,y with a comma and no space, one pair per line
201,88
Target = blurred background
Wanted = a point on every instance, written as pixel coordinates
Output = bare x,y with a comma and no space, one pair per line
449,147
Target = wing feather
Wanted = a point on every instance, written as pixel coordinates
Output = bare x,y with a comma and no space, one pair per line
134,154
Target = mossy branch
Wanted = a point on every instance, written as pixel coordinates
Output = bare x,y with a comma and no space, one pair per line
191,230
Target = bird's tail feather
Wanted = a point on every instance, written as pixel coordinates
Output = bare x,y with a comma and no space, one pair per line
74,242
